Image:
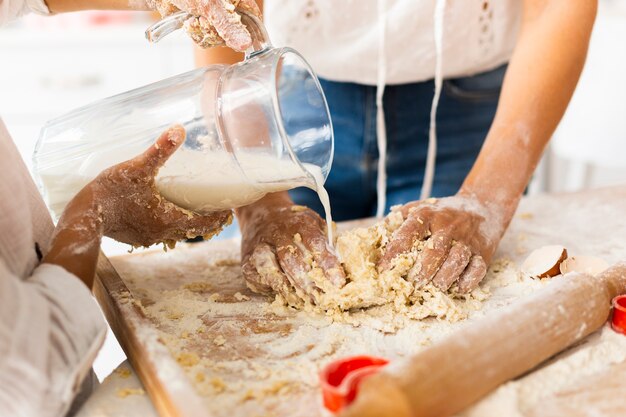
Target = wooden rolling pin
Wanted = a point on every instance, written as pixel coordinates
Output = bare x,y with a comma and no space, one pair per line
459,370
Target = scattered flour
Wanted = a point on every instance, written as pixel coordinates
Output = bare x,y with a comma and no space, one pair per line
246,356
271,356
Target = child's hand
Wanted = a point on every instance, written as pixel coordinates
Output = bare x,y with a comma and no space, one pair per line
461,235
280,243
123,203
132,209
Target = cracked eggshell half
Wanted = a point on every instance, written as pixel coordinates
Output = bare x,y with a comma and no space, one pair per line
545,262
584,264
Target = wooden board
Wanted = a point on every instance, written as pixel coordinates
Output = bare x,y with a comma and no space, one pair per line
151,360
586,223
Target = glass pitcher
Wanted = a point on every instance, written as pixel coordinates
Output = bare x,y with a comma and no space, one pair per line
255,127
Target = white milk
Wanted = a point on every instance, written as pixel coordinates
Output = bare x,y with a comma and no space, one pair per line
199,181
206,182
322,194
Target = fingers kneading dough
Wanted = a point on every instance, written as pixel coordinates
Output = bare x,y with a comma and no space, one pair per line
473,274
452,268
430,259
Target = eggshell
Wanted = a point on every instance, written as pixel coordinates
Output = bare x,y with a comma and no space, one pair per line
585,264
545,262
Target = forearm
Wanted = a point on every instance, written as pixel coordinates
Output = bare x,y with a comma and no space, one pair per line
539,83
76,242
63,6
216,55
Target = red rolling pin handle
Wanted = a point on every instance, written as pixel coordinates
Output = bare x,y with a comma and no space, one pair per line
618,322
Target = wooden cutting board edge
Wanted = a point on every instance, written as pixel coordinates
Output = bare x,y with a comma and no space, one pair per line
155,366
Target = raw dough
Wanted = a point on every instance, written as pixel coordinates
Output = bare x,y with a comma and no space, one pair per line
368,293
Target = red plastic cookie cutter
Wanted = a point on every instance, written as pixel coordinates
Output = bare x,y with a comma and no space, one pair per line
340,379
618,323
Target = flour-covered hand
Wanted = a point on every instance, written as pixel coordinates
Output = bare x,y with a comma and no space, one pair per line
214,22
281,245
460,235
132,209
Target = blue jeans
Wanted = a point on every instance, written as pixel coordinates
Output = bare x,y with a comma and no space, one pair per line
466,110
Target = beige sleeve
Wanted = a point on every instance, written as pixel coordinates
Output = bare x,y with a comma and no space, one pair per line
12,9
50,332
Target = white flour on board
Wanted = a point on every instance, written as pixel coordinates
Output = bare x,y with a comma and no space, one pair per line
245,360
245,356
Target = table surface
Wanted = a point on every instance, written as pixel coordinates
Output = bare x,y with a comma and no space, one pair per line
121,394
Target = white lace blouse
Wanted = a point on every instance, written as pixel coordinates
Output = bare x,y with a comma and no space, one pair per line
342,39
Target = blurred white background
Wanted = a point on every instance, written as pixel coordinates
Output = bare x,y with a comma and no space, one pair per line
589,147
51,65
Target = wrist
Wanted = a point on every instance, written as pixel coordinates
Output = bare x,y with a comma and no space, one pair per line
496,210
84,213
500,196
77,237
257,209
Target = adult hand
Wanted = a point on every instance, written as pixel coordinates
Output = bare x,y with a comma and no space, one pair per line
215,22
281,244
134,212
460,235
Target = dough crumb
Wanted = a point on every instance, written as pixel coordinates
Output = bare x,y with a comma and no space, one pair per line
124,297
123,372
219,341
249,395
174,315
125,392
199,286
278,388
187,359
137,303
218,385
240,297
